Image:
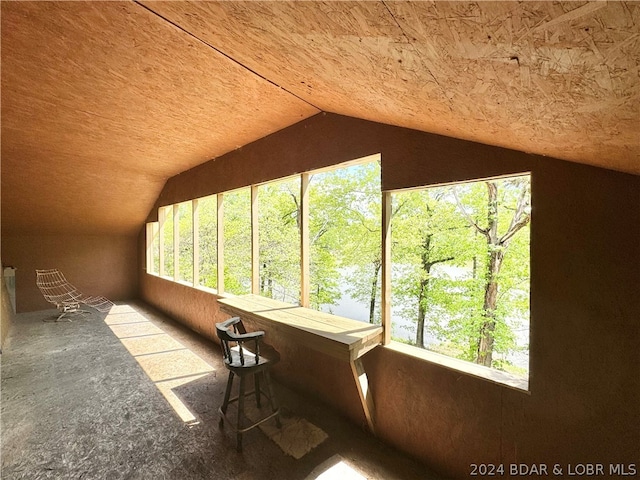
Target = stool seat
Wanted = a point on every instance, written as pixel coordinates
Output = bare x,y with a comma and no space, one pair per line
241,356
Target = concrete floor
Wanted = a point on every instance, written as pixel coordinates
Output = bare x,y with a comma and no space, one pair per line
133,395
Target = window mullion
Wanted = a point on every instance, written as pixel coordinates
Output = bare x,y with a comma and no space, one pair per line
176,243
162,217
304,239
386,267
195,233
220,235
255,245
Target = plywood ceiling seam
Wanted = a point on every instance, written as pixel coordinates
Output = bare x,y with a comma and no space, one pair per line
224,54
102,102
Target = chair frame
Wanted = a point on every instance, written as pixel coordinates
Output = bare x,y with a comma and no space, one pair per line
57,290
241,360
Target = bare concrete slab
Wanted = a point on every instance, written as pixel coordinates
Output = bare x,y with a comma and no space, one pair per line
133,395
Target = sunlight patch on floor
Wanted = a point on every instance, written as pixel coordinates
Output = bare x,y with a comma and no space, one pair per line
167,362
296,437
336,468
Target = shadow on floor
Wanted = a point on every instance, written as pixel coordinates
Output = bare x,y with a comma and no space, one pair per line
134,395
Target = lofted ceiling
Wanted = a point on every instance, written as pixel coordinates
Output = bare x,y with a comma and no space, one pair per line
102,102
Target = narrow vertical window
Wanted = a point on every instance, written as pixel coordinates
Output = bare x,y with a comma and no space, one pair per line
153,248
167,242
208,241
279,240
185,234
237,241
345,241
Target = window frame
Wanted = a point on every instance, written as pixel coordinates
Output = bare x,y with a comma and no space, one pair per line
156,228
488,373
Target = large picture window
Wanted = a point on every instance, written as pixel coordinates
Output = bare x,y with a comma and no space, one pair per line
460,273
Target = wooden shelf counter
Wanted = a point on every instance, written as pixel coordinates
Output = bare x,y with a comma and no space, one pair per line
339,337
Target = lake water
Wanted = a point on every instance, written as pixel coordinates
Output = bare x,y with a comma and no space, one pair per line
405,329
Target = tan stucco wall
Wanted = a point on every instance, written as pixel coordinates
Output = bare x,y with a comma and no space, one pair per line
96,265
585,340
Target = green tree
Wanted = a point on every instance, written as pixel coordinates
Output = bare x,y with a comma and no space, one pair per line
167,238
509,205
185,231
452,275
345,235
427,232
208,241
279,240
237,241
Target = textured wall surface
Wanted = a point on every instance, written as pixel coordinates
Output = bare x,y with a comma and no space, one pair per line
95,264
582,406
6,312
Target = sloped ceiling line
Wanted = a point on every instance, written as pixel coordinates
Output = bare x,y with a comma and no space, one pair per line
213,47
160,103
102,102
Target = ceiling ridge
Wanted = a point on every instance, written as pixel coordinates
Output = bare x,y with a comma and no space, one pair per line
217,50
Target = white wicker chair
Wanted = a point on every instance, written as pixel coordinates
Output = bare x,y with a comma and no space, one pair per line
57,290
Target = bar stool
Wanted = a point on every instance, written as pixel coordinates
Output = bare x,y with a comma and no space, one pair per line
242,360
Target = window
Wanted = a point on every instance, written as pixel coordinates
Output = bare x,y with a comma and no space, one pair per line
279,240
344,240
460,271
184,225
208,241
455,265
237,241
153,248
166,241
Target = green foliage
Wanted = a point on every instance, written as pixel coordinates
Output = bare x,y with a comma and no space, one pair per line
440,265
185,244
208,241
167,238
279,240
237,241
344,228
450,244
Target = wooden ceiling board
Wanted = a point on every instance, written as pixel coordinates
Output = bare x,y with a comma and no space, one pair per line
103,101
552,78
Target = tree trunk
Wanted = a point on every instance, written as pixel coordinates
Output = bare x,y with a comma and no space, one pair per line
427,264
424,289
374,286
485,343
422,300
486,338
496,248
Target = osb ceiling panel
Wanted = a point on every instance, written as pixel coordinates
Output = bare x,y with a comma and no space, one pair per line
552,78
103,101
